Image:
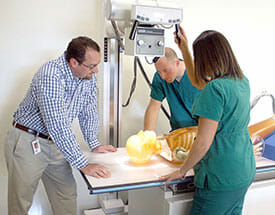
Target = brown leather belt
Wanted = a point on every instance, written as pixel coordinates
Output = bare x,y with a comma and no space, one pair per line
31,131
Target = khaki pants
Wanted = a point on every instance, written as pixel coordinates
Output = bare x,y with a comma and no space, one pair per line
26,169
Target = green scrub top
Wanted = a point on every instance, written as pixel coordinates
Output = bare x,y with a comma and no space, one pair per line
229,163
180,97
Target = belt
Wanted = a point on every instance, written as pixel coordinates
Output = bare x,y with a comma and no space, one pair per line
31,131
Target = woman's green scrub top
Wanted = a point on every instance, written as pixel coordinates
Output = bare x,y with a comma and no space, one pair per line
229,163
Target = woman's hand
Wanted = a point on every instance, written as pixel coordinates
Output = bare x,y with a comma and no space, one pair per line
258,145
179,174
183,38
258,149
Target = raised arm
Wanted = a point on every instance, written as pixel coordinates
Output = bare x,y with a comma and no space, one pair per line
189,62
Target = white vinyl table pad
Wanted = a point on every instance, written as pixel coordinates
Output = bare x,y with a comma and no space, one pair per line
123,172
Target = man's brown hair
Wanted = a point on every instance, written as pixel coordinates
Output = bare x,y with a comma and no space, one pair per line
77,48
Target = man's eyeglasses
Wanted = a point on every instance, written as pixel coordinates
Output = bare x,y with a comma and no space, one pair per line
89,67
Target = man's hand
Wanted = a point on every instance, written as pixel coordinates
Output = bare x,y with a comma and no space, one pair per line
104,149
96,171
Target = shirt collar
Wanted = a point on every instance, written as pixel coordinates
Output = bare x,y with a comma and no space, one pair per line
65,67
178,78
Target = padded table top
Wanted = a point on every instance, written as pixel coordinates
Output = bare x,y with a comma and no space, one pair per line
126,176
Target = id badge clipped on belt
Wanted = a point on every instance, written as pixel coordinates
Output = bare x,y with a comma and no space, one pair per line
36,146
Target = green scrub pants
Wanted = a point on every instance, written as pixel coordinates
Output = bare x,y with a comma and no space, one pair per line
209,202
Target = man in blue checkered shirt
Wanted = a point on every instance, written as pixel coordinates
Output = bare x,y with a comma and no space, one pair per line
41,144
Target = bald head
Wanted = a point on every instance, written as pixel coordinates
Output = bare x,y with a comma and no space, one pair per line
170,54
169,67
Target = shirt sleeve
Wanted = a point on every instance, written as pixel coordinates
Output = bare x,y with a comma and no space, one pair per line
88,118
210,103
52,105
157,91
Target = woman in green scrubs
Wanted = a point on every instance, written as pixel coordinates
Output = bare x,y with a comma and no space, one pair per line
222,154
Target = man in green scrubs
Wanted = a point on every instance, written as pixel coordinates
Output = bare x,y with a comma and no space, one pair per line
171,82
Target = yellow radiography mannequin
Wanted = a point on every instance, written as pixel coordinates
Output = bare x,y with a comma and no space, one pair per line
175,145
142,147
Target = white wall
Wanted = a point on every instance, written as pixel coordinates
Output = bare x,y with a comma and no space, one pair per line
34,31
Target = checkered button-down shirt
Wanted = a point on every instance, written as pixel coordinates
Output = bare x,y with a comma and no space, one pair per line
54,99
